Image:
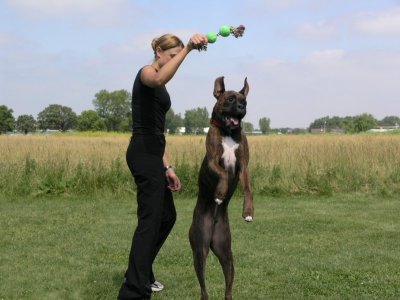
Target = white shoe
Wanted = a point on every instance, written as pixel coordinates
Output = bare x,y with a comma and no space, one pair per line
157,286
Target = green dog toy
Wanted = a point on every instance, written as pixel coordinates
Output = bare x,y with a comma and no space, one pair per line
224,31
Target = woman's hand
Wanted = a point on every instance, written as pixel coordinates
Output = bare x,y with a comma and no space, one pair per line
174,184
196,41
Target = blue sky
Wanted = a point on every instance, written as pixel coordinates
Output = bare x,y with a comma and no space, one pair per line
303,59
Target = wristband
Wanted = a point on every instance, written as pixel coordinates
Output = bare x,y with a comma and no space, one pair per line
167,168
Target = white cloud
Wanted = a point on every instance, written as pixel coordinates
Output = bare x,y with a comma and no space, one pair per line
256,8
62,7
8,41
324,57
318,31
99,13
282,4
330,82
383,23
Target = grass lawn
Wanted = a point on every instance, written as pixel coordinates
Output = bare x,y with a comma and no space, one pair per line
340,247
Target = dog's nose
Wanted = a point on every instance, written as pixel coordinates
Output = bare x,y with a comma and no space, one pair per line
241,106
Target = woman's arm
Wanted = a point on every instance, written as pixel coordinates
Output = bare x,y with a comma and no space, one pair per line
174,183
166,160
154,78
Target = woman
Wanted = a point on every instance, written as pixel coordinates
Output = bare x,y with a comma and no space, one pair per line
154,177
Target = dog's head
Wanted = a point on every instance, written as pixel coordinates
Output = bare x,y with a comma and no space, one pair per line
230,108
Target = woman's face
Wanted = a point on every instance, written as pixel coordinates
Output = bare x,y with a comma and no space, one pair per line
165,56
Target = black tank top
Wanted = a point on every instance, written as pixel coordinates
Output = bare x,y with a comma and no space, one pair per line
149,107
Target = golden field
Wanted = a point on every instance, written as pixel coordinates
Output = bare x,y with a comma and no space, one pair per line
279,164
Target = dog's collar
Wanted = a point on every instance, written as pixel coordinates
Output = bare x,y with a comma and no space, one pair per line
216,123
221,126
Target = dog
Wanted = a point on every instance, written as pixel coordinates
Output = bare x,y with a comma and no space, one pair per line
224,165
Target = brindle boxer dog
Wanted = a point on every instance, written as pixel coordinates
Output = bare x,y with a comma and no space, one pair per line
225,163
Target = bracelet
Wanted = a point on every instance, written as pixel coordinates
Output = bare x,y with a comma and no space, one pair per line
167,168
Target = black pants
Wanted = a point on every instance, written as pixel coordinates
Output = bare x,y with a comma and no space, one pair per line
156,214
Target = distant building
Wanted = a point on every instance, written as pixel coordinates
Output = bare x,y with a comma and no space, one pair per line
182,130
384,128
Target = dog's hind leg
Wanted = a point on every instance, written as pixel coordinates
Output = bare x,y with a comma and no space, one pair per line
200,238
199,258
221,246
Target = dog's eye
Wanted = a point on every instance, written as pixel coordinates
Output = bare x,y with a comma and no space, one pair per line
231,99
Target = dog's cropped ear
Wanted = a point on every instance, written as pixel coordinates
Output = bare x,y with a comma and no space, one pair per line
245,89
219,87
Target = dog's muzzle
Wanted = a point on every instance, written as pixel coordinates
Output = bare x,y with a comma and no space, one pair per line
231,121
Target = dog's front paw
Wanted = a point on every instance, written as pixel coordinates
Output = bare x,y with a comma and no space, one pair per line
218,201
248,219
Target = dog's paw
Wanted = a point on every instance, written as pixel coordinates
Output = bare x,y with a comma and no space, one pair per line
218,201
248,219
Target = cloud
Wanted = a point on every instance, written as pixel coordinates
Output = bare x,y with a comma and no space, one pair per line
383,23
98,13
257,8
327,82
316,31
324,57
9,41
282,4
380,23
63,7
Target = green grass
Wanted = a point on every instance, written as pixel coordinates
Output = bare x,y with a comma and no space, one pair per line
339,247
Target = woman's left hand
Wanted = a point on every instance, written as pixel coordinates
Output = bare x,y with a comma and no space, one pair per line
174,184
197,40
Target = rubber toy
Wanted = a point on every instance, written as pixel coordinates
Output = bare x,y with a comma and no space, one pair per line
224,31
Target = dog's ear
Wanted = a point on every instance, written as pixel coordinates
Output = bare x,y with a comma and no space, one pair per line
245,89
219,87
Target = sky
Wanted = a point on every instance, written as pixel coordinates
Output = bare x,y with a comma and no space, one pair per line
303,59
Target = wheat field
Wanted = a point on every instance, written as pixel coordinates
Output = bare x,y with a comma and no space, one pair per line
279,164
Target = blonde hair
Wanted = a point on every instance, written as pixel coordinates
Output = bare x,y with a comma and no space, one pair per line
165,42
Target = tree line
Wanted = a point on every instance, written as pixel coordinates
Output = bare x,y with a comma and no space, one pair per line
112,112
353,124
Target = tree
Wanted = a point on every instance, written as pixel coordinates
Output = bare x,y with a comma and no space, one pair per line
348,124
57,117
196,120
114,108
247,127
358,123
334,123
6,119
89,120
389,121
327,123
264,124
322,123
319,123
364,122
26,123
173,121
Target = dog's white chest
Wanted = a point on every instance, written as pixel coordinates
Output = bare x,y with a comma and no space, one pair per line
228,156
